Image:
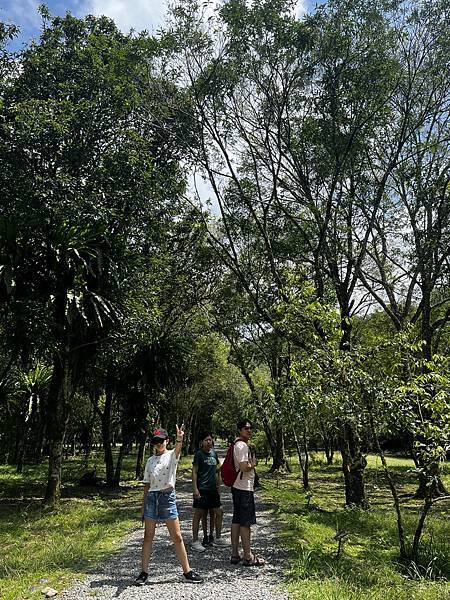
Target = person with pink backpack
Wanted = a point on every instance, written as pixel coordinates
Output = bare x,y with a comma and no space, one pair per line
238,472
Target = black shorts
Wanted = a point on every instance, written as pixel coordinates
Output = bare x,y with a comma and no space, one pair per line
243,507
208,499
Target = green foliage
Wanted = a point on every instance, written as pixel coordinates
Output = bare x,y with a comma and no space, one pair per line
63,543
368,565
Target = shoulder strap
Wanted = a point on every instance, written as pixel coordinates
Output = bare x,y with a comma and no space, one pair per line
240,473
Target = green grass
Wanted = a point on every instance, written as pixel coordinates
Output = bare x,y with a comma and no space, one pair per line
38,544
41,547
368,564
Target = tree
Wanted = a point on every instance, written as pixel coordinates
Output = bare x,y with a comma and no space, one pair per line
406,266
288,115
419,404
84,181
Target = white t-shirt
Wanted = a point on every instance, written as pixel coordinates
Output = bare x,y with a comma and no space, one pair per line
241,453
161,471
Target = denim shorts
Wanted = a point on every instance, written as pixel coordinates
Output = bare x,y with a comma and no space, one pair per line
161,506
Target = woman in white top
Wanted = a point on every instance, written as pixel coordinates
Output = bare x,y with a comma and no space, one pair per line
159,502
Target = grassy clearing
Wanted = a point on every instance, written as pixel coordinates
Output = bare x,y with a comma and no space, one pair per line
367,567
38,544
41,547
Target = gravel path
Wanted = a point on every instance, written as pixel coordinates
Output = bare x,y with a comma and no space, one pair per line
223,581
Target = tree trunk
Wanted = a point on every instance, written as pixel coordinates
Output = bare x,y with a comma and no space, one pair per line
57,420
279,458
432,492
328,449
353,460
53,490
419,529
106,437
270,438
303,462
425,322
118,470
328,443
353,465
87,447
400,524
306,464
140,455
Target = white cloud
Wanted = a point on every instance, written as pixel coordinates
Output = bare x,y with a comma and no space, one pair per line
130,14
145,14
301,8
23,13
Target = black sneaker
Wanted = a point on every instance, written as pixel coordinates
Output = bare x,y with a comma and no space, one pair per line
206,541
192,577
141,579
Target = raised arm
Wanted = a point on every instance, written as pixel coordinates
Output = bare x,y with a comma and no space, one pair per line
179,440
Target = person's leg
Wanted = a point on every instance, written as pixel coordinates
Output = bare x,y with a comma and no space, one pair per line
149,534
198,516
235,532
235,525
173,525
245,538
205,524
211,522
218,520
249,519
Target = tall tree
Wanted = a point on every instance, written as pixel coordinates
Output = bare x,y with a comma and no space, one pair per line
407,263
288,116
86,179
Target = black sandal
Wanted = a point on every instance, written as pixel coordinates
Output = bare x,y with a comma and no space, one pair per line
235,560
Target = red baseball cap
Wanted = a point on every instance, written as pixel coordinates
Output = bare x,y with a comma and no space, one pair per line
159,435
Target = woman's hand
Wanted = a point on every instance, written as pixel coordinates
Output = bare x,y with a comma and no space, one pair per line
179,440
180,433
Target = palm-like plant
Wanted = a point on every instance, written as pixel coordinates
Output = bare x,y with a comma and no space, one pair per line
32,388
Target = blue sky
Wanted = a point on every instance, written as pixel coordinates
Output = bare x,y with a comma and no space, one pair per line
137,14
